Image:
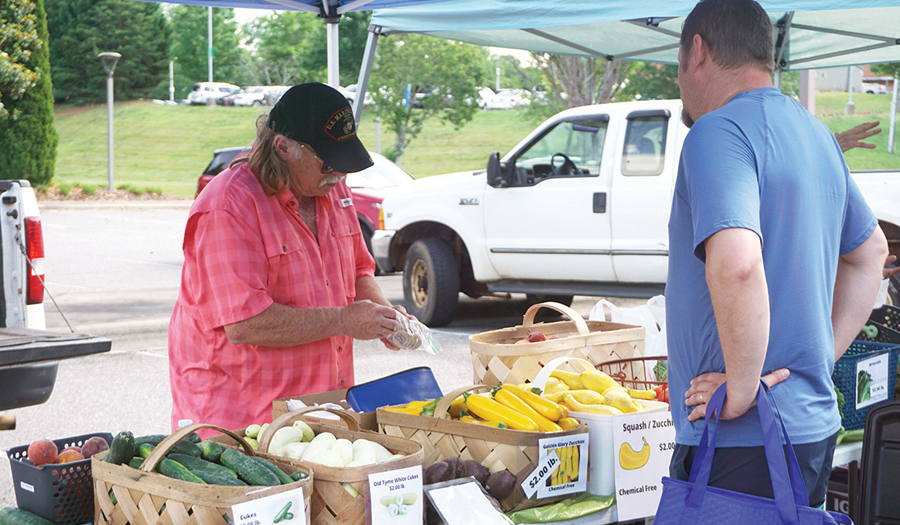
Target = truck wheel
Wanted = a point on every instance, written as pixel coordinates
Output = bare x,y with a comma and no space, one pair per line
431,281
541,298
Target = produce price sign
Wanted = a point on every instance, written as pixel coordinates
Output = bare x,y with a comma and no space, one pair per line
396,497
562,468
643,444
285,508
872,380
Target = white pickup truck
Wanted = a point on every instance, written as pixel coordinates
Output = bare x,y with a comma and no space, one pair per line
579,207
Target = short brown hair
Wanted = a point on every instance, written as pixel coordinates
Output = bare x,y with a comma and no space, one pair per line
737,32
264,162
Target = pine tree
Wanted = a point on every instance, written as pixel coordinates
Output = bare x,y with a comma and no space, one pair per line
28,141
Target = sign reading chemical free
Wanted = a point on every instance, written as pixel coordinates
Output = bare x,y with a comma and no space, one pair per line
642,444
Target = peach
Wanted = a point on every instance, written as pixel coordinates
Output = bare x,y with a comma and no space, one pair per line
69,455
42,451
94,445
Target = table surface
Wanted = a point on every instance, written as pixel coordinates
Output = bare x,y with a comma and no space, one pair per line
19,346
847,453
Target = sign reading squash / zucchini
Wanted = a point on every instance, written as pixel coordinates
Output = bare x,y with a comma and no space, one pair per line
642,448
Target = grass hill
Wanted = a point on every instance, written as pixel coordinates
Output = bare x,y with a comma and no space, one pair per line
164,148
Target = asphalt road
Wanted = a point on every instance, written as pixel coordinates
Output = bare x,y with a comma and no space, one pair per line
114,269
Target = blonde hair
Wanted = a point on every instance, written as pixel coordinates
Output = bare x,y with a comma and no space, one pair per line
264,162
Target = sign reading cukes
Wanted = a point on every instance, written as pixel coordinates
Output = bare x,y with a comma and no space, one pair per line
397,497
872,380
643,444
284,508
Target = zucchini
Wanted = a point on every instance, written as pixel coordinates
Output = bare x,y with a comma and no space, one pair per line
144,450
196,464
17,516
247,469
121,450
173,469
283,478
210,450
213,478
298,475
185,446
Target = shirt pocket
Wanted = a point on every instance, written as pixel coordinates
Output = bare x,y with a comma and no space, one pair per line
286,263
347,236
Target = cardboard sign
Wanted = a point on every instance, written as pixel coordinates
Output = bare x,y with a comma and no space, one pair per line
285,508
872,380
396,497
563,467
643,444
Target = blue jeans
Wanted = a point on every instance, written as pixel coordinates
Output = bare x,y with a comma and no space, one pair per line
745,469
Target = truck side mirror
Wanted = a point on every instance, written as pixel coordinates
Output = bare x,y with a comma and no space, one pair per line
496,178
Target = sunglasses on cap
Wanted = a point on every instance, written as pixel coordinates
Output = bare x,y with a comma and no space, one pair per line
325,167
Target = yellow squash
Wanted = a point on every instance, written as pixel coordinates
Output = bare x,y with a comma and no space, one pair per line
641,394
618,397
542,406
587,397
458,405
568,423
554,385
488,409
597,381
507,398
571,379
602,410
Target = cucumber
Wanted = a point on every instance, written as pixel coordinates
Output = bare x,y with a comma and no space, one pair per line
196,464
17,516
185,446
135,462
121,450
144,450
213,478
247,469
282,477
173,469
298,475
194,438
210,450
282,514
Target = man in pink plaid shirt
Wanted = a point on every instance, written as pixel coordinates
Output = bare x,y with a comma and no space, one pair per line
277,280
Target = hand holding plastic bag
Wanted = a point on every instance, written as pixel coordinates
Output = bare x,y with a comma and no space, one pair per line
412,335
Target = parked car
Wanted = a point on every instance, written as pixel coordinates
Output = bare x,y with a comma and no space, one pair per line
874,88
368,187
509,99
255,95
203,92
273,93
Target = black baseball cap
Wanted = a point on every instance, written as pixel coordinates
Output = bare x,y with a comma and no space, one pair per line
318,115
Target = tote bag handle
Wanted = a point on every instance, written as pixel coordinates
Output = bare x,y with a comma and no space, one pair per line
783,485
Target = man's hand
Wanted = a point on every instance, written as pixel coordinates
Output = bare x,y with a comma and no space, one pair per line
852,138
703,386
888,271
402,310
366,320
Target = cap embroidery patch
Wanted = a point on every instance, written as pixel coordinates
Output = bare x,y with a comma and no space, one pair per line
340,126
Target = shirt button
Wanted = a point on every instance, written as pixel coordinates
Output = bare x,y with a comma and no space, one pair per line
284,248
292,203
342,382
327,283
339,349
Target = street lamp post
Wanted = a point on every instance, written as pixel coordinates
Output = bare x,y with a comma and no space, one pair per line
172,79
109,61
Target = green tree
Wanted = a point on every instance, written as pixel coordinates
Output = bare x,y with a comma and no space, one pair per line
573,81
649,81
136,30
27,138
18,41
441,76
887,70
190,43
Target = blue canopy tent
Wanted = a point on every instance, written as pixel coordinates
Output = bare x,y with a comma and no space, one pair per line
810,34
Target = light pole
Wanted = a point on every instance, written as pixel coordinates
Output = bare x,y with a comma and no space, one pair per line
109,61
172,79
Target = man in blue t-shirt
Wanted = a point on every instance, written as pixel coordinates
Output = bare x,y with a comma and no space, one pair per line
774,257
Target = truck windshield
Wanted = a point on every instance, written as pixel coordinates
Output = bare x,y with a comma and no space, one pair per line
579,140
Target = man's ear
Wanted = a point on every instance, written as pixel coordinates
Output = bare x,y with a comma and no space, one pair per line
280,144
699,53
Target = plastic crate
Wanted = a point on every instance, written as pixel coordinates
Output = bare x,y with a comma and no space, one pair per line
63,493
887,315
844,378
882,334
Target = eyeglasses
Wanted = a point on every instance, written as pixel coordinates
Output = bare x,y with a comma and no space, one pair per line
325,167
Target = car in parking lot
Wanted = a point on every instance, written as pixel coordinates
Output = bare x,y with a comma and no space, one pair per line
508,99
368,187
203,92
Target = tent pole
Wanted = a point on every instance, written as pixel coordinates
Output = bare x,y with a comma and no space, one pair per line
331,27
365,70
891,148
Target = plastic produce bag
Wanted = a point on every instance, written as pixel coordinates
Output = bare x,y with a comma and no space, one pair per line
412,335
652,316
567,509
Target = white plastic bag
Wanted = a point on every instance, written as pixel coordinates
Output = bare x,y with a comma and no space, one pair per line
652,316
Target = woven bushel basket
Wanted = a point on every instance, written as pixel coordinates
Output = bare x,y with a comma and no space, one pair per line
496,358
144,497
495,448
331,504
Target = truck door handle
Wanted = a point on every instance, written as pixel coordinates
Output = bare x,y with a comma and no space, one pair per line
600,203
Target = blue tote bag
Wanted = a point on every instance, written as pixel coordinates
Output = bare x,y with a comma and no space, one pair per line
693,502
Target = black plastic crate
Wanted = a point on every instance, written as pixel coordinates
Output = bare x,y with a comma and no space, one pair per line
844,378
62,493
875,332
887,315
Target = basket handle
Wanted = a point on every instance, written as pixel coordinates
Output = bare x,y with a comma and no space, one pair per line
166,445
445,401
284,419
582,327
540,381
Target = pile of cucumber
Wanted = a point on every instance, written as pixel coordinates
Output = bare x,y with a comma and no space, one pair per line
199,461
